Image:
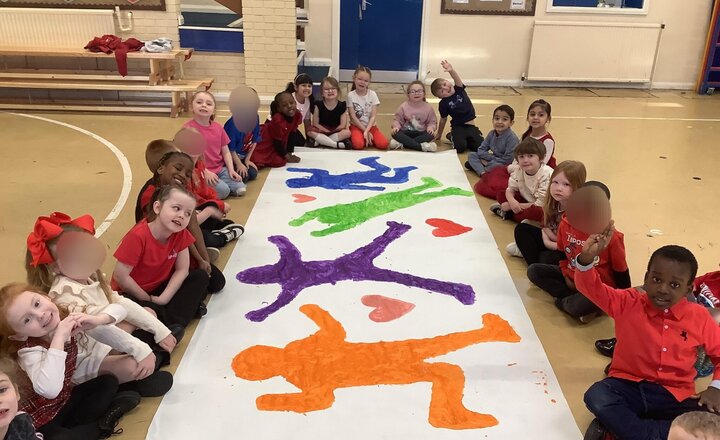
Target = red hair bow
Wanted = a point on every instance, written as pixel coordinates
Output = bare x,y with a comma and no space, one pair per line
49,228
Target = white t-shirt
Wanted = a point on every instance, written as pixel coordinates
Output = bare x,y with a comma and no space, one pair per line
303,108
362,105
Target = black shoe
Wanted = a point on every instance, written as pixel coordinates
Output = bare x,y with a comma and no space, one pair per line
121,404
155,385
347,144
201,311
162,358
467,166
606,347
449,137
177,331
607,369
595,431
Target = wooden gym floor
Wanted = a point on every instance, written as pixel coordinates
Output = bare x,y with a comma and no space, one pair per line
654,149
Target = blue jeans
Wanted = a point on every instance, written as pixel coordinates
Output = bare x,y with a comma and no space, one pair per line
636,410
480,169
226,185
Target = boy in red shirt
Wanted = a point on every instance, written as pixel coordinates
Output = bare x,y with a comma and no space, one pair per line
651,379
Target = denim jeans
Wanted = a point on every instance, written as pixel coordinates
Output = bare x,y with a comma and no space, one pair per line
225,185
636,410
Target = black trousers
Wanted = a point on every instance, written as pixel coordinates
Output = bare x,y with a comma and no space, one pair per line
528,239
466,137
412,139
549,278
78,419
183,307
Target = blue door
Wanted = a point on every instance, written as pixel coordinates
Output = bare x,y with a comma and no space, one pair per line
383,35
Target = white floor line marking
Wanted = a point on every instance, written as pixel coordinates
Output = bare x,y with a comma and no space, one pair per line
608,118
124,164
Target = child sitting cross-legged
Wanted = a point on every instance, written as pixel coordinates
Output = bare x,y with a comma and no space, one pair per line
527,187
651,378
498,148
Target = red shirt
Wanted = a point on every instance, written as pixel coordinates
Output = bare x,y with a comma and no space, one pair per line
276,129
215,139
152,262
708,286
612,259
653,344
204,194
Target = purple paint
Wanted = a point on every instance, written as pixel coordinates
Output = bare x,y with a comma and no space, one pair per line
295,275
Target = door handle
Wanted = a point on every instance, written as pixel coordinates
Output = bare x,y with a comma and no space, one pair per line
364,4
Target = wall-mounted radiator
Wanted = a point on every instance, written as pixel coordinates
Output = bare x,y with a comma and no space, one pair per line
53,28
593,52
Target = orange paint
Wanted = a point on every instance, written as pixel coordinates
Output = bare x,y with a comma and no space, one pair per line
303,198
386,309
324,361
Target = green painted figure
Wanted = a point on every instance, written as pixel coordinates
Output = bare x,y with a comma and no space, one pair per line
344,216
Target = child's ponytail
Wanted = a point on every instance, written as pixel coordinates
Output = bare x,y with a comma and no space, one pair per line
290,88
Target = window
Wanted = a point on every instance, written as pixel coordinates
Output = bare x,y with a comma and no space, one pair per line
632,7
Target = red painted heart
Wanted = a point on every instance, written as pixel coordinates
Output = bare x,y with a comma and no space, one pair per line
386,309
446,228
303,198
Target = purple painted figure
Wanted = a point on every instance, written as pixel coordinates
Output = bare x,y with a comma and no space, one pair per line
294,275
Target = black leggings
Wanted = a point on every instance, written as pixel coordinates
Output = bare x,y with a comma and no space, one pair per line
549,278
466,137
183,307
78,419
412,139
528,239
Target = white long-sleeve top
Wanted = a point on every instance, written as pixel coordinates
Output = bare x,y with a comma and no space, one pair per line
90,298
533,188
45,369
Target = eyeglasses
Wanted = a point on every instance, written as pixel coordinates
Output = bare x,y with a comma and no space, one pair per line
415,91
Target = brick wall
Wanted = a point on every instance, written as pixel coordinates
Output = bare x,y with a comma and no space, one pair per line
228,69
270,44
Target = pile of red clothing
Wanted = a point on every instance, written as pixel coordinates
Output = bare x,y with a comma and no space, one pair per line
112,43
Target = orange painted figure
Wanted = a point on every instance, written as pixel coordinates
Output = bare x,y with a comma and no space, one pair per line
325,361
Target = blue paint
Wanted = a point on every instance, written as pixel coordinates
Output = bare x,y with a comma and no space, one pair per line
355,180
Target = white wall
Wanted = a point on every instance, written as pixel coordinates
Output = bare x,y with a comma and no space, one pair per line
318,36
489,49
495,49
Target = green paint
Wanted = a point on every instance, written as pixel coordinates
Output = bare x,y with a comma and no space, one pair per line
346,216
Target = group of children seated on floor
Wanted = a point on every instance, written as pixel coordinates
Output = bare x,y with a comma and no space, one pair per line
90,348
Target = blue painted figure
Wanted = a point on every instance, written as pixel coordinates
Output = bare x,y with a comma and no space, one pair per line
355,180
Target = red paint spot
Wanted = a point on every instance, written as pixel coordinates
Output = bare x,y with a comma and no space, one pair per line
303,198
386,309
553,400
446,228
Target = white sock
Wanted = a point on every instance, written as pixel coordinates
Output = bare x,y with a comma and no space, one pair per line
325,140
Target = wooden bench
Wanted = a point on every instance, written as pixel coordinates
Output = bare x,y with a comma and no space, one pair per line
162,64
162,77
180,90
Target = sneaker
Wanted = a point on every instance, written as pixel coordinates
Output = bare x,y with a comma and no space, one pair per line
213,254
121,404
429,146
513,250
449,138
395,145
240,191
348,144
231,232
291,158
467,166
497,210
587,319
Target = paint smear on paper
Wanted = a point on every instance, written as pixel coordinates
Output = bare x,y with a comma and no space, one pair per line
446,228
295,275
344,216
386,309
355,180
303,198
324,362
